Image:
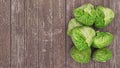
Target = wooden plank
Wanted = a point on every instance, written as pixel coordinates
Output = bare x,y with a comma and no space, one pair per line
17,34
52,34
117,34
42,49
31,33
45,37
5,34
58,33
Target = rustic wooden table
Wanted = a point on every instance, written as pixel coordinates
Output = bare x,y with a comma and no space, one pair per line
33,34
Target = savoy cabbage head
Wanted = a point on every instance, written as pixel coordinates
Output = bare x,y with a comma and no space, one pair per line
82,37
80,56
85,14
104,16
102,39
102,55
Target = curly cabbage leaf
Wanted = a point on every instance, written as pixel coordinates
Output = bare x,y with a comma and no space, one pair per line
72,24
85,14
104,16
80,56
102,39
102,55
88,33
82,37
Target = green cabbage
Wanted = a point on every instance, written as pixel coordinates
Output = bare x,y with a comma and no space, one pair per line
82,37
85,14
104,16
102,55
72,24
80,56
102,39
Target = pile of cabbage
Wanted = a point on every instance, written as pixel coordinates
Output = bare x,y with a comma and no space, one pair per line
81,30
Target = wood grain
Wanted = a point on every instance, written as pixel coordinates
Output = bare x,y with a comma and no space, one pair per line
52,34
117,35
46,57
17,34
5,34
33,34
58,33
41,47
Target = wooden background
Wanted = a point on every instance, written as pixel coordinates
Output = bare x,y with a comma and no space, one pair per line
33,34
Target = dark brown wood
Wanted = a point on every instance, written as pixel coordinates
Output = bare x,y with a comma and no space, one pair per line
33,34
5,34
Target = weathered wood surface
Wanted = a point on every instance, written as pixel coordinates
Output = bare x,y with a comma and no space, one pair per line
33,34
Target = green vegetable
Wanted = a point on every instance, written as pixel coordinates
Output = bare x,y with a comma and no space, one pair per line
72,24
85,14
80,56
102,39
104,16
102,55
82,37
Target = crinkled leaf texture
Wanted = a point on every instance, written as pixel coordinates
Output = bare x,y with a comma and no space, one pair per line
80,56
102,55
82,37
71,25
104,16
102,39
85,14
